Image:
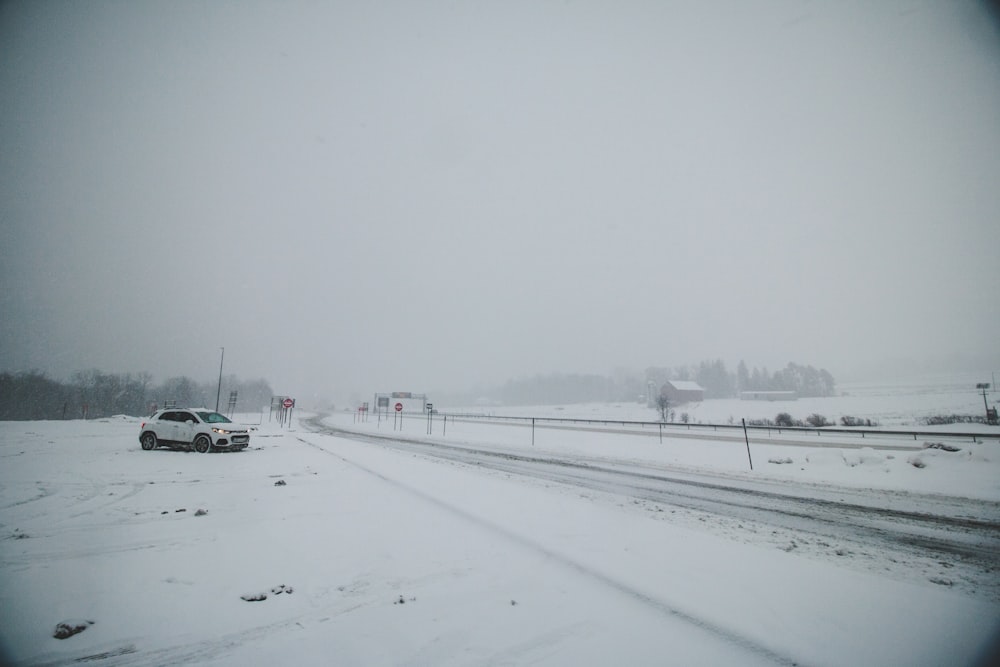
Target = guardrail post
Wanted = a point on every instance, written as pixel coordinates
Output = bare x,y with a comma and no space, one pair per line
532,431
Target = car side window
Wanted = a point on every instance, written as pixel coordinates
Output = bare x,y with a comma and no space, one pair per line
168,417
186,417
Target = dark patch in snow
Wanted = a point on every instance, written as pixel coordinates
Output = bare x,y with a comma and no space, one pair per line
780,461
281,482
259,597
201,512
67,629
942,446
941,581
180,510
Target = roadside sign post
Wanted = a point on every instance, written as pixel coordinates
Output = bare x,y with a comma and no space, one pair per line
381,402
399,415
430,418
362,413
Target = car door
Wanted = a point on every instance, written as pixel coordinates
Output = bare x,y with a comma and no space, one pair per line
187,425
166,426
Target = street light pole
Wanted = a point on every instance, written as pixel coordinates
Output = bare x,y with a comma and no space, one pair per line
219,391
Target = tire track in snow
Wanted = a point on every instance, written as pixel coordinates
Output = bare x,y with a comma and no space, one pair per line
714,630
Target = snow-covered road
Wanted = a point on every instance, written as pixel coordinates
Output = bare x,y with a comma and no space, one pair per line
952,540
956,542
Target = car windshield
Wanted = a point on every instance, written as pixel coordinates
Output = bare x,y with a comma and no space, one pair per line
213,418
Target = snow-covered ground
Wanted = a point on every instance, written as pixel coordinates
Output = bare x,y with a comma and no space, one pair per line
391,557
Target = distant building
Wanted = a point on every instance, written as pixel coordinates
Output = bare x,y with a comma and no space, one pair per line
768,395
682,391
410,402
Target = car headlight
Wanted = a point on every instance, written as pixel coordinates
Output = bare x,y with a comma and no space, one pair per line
220,430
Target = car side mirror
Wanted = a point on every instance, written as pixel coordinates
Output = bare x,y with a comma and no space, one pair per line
189,421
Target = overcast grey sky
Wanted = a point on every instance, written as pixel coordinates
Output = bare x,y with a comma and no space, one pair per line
362,196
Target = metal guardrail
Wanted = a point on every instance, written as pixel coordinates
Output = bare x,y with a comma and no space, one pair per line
819,430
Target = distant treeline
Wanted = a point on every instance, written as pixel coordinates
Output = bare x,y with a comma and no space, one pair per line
719,382
713,376
31,395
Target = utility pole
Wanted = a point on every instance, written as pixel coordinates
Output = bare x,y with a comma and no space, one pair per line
219,391
984,386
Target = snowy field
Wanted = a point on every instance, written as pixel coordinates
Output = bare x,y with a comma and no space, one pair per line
367,554
893,405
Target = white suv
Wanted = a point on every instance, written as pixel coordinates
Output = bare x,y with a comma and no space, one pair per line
199,429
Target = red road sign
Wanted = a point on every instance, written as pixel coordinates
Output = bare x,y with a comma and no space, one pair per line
399,407
287,403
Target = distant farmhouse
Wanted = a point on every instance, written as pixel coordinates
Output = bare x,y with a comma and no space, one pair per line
682,391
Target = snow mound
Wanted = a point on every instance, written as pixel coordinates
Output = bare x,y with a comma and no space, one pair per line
863,457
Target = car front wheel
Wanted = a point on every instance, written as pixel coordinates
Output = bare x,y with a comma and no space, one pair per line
202,444
148,441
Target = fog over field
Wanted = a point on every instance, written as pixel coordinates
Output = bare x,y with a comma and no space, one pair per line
357,197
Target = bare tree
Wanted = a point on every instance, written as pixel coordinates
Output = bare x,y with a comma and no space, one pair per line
663,403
